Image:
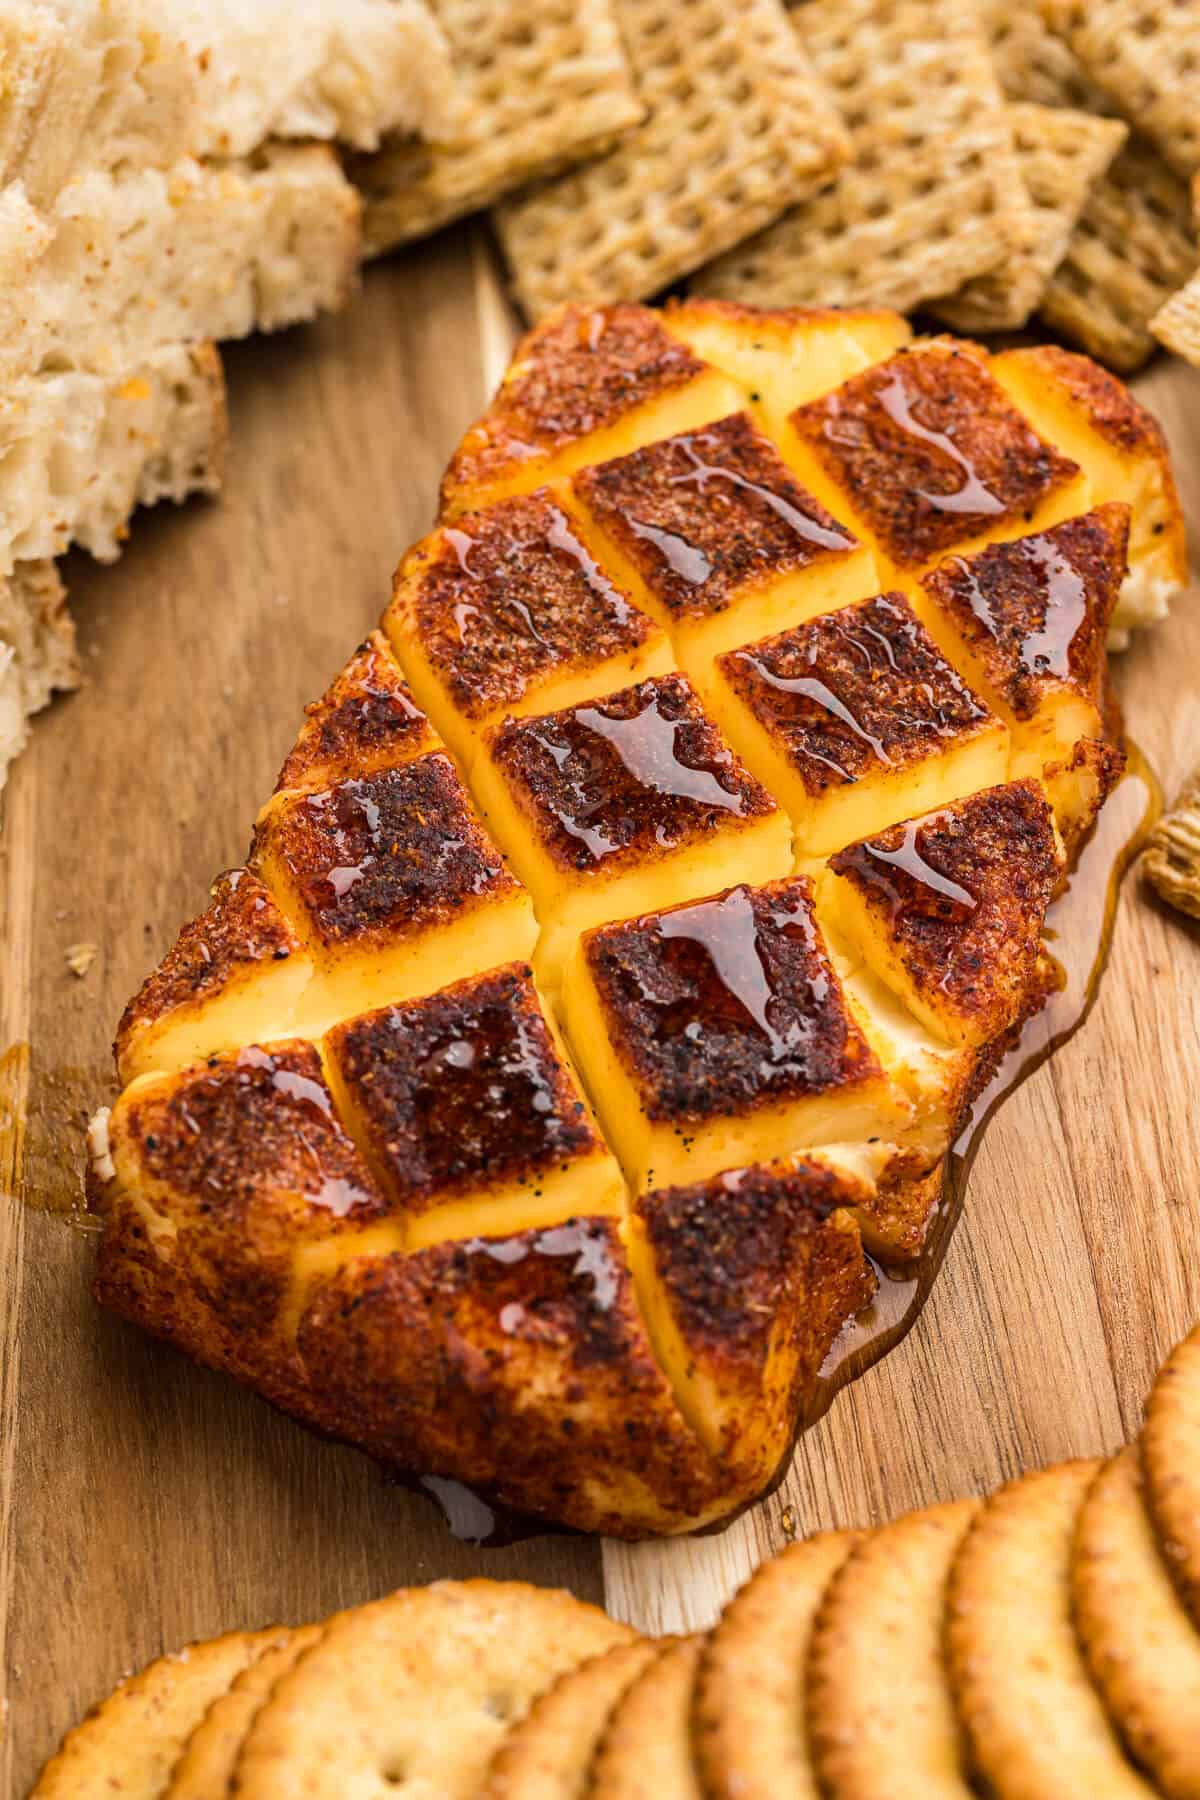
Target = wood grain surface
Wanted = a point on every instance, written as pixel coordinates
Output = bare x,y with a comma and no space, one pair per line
144,1502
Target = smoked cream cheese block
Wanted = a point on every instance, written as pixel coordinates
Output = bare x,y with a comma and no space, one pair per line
642,908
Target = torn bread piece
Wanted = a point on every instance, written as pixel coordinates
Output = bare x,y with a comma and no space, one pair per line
91,84
78,452
737,128
300,69
932,194
124,264
1144,57
541,87
1062,154
38,657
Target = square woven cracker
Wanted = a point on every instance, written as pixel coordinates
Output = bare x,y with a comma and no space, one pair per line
1133,248
736,129
1062,154
1032,63
931,195
1145,54
1177,324
544,84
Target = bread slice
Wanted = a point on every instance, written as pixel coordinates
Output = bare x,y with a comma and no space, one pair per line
90,84
126,263
37,651
308,69
98,84
79,451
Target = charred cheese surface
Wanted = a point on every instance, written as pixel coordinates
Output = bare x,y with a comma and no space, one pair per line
508,612
712,1034
718,539
929,455
467,1110
617,807
1120,447
641,910
856,720
394,885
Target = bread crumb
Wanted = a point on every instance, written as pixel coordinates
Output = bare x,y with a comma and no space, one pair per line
80,958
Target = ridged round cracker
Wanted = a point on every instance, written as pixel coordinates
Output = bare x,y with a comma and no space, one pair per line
416,1691
205,1769
130,1743
1171,1463
1140,1645
548,1755
748,1717
646,1752
1036,1726
882,1718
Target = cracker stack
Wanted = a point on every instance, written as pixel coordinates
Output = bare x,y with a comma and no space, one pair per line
126,248
889,1664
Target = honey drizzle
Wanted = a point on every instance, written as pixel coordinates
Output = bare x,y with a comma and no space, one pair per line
1080,925
1079,931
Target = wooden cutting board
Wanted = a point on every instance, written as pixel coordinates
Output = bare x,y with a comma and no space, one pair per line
144,1502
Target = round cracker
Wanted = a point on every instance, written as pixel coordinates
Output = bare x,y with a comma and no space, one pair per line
1171,1462
131,1742
1036,1726
205,1769
416,1691
748,1717
1140,1645
547,1756
882,1718
646,1752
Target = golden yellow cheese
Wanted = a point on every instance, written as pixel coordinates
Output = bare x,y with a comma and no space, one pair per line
642,908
